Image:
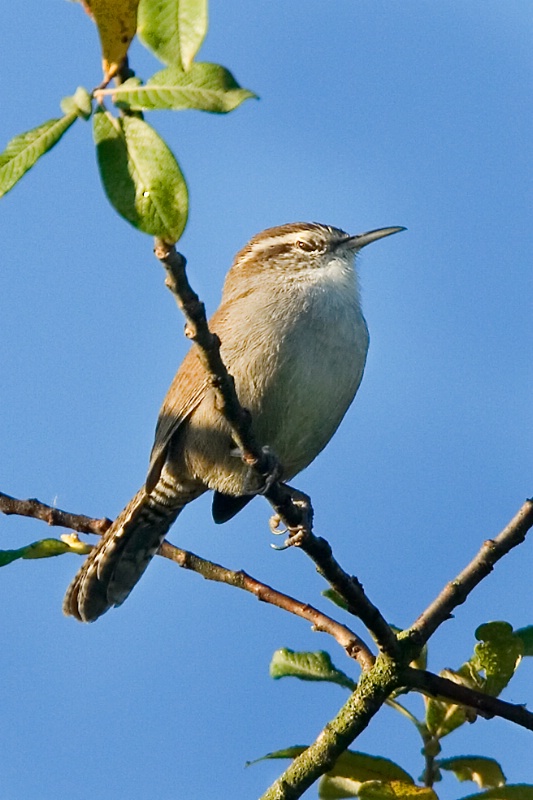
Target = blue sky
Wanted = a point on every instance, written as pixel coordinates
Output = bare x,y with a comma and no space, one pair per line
370,114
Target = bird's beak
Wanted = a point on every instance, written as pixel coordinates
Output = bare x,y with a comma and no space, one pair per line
362,239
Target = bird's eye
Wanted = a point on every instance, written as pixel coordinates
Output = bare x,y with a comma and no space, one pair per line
308,247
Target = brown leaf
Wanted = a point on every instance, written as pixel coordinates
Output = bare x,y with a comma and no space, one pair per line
117,22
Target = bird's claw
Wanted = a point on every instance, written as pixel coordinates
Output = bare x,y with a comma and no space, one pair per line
294,537
274,524
279,547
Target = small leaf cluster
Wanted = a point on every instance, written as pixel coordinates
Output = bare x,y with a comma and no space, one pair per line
140,175
489,670
497,655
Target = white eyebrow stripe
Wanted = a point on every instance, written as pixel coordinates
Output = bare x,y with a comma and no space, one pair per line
280,239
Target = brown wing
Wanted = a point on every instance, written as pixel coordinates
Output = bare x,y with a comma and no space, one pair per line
185,393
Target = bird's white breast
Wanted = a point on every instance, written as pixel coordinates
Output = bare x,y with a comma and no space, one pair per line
300,366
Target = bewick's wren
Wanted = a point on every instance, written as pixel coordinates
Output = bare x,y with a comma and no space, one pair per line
295,340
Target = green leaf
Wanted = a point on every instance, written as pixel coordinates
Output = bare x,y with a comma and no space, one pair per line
315,666
25,149
443,716
467,675
489,670
526,634
393,790
336,598
207,87
173,29
332,788
7,556
486,772
45,548
80,103
193,28
511,791
362,767
141,177
497,655
287,752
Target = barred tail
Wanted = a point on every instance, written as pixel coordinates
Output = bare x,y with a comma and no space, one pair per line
119,559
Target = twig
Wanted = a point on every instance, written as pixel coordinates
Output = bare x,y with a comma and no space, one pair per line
348,586
348,640
124,72
486,706
208,345
292,506
456,592
352,644
52,516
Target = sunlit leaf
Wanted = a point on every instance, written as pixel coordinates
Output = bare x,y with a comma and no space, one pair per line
467,675
193,28
173,29
497,655
207,87
117,22
140,175
495,659
363,767
333,788
308,666
394,790
44,548
25,149
442,717
79,103
486,772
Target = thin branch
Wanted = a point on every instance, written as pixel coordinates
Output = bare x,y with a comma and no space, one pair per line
348,586
456,592
124,72
485,705
292,506
208,345
352,644
348,640
52,516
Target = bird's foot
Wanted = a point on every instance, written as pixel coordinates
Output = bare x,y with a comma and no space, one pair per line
295,536
260,477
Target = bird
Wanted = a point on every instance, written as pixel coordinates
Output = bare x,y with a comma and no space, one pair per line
295,340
